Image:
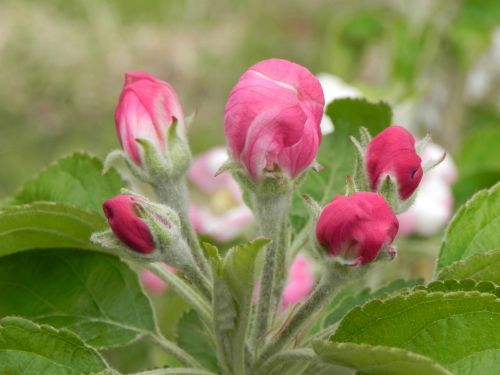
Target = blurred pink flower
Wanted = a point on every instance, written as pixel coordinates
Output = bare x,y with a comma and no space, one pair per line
153,283
223,215
300,281
433,206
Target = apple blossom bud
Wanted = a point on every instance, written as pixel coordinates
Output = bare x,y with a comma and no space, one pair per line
357,227
126,224
272,118
146,109
392,153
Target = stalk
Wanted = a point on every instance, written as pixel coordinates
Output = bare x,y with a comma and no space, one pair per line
271,212
196,301
174,194
332,279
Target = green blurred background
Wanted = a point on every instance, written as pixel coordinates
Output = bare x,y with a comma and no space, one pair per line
62,65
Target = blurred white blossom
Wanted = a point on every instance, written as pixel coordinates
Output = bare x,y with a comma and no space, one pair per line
433,205
334,88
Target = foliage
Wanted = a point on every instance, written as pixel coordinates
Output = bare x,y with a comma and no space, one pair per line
80,300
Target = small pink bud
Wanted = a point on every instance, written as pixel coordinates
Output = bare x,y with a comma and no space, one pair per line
272,118
392,152
146,109
357,227
127,225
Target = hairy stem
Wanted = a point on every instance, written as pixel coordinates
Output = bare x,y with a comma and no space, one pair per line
184,290
174,195
332,279
272,213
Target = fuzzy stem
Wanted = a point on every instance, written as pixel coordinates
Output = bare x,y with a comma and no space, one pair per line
272,213
172,349
189,268
174,194
240,353
332,279
184,290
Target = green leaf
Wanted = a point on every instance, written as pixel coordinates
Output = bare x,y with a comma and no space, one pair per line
459,330
239,268
95,295
192,338
465,285
336,153
377,360
478,162
30,349
75,179
474,229
484,266
348,298
47,225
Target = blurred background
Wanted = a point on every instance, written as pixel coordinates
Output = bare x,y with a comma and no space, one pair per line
62,63
437,62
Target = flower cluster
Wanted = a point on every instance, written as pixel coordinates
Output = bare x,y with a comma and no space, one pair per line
272,124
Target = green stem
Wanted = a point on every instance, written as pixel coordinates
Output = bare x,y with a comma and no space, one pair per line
332,279
187,266
184,290
174,195
271,213
239,342
172,349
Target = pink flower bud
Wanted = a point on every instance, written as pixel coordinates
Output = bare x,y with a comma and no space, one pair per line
357,227
300,281
272,118
392,152
127,225
146,108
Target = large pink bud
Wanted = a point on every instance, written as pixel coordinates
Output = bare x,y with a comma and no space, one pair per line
125,223
146,109
272,118
392,152
357,227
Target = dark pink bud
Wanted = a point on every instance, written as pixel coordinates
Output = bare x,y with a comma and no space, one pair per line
127,225
392,152
146,109
357,227
272,118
